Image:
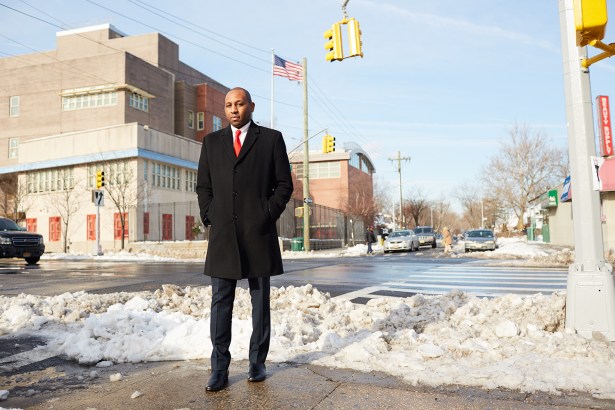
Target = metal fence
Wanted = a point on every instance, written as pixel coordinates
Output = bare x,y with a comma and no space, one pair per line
176,221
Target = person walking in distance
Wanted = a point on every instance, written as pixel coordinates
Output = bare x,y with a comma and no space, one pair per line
447,239
369,239
243,185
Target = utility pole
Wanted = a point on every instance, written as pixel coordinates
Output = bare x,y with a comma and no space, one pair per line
306,164
590,290
399,159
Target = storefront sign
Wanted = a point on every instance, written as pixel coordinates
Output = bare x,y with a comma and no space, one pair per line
604,119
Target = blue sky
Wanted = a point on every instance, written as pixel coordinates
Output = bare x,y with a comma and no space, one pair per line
442,82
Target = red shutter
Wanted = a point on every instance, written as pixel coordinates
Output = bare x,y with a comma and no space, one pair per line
91,227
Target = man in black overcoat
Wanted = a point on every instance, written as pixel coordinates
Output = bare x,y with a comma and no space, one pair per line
243,185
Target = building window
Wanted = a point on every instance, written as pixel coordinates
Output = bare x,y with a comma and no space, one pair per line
190,181
217,123
55,229
189,226
200,125
89,100
117,226
138,101
167,227
14,106
13,147
31,224
165,176
91,227
145,223
190,119
49,180
116,173
320,170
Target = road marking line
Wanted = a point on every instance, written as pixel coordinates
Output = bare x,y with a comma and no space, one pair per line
24,358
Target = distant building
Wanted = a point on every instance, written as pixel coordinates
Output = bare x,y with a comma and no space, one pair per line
342,179
104,101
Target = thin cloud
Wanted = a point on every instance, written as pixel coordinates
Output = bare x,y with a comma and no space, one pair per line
483,31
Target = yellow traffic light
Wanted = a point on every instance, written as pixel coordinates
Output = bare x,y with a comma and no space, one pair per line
334,43
354,38
100,179
328,144
590,18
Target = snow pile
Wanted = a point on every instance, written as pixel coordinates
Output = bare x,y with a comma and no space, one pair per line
508,342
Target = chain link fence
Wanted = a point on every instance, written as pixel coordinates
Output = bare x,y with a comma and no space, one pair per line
177,221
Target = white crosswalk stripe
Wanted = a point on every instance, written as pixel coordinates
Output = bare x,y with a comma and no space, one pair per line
476,280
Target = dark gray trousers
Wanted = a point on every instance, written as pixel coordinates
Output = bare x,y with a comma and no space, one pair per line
222,299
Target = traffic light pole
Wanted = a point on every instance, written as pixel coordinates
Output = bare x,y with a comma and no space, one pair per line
306,164
590,293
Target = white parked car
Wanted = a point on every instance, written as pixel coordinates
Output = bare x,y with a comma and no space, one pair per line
480,240
402,240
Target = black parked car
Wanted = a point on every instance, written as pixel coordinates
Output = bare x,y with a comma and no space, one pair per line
16,242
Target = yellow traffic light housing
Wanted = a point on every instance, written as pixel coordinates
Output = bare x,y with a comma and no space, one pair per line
334,43
329,144
590,18
354,38
100,179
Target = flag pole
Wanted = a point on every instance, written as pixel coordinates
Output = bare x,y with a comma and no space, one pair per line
272,85
306,164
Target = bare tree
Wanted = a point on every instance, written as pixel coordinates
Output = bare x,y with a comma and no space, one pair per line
360,203
14,196
470,200
67,201
442,213
123,190
415,206
527,165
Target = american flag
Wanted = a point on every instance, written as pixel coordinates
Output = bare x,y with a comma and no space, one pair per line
283,68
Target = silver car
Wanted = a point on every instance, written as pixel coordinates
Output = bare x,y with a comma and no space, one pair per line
403,240
480,240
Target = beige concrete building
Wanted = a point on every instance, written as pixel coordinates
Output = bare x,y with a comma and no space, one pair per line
104,101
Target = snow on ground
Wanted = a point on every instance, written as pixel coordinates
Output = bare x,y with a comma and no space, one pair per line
508,342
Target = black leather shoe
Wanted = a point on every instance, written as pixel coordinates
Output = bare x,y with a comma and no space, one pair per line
257,373
217,381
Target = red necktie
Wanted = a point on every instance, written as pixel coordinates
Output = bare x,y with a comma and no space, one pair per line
237,143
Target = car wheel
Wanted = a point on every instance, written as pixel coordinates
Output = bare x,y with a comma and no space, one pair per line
33,260
386,251
467,250
433,244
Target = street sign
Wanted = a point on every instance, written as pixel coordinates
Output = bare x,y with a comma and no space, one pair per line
98,197
308,200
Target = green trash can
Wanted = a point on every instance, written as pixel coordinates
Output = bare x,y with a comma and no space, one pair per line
296,244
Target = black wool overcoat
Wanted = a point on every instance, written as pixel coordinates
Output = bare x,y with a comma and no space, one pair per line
241,198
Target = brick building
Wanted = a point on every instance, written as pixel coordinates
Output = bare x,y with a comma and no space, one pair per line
104,101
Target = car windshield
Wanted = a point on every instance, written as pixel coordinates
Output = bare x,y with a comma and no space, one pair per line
399,233
423,230
8,225
480,234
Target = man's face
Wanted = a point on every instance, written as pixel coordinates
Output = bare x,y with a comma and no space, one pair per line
237,108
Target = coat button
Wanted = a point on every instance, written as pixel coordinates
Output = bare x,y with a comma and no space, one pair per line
236,171
235,217
235,194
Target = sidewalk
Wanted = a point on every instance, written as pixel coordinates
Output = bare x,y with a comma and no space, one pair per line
181,385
